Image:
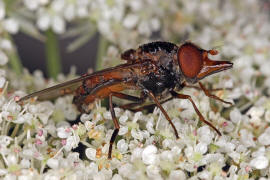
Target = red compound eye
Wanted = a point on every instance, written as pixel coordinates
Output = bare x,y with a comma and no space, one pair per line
190,59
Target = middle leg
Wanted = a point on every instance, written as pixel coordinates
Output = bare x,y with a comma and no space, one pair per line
152,96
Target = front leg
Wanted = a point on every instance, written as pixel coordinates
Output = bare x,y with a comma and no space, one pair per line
207,92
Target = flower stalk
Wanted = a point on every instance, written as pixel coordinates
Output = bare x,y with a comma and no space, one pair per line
52,54
102,47
14,59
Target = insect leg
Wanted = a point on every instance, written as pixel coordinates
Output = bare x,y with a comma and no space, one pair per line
116,125
127,97
183,96
199,88
152,96
140,100
207,93
150,105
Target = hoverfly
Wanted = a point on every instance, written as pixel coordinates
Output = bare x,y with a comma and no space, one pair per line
157,70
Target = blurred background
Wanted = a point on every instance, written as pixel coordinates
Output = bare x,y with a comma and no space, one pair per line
33,55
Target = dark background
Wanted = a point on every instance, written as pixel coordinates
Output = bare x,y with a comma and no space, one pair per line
32,54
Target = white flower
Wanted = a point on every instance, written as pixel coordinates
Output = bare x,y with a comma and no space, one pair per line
144,28
235,115
64,132
136,5
149,155
10,177
136,154
247,138
11,159
206,175
107,173
5,140
267,116
85,119
259,152
155,24
2,82
31,4
125,170
2,10
122,146
53,163
117,177
3,58
11,25
130,21
123,130
177,174
72,142
64,104
92,168
58,5
176,150
205,135
255,113
123,119
25,118
58,24
43,22
235,156
167,143
224,145
201,148
82,11
259,162
104,27
264,138
25,163
3,172
167,156
45,110
6,44
150,125
91,153
153,172
137,134
52,176
137,116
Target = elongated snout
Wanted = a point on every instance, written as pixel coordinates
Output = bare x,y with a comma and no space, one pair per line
210,67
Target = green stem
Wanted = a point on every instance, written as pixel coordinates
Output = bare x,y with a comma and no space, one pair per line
15,130
14,59
102,47
52,54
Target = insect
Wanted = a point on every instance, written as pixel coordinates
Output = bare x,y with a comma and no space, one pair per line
157,69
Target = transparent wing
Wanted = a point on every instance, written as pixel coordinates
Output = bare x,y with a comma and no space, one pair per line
70,86
58,90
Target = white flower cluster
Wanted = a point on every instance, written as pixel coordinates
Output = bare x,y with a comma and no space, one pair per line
114,19
8,25
38,140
